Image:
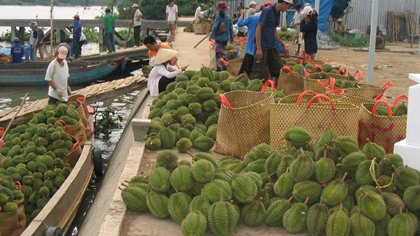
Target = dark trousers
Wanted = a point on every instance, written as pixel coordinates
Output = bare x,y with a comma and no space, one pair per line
163,83
137,30
247,63
76,43
52,100
271,59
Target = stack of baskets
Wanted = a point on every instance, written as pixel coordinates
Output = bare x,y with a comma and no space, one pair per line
200,28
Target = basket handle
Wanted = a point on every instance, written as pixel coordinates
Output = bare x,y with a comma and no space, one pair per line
303,60
342,69
224,101
316,66
319,96
224,61
331,82
299,100
380,97
322,83
80,99
387,106
268,83
305,73
338,91
304,54
288,69
20,185
60,121
359,74
74,146
1,144
399,98
387,85
1,131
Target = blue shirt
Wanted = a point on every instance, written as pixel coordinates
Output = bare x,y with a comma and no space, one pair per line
269,19
17,52
226,36
252,23
78,25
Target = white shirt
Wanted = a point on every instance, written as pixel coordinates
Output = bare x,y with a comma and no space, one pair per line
59,75
197,15
157,73
171,11
136,15
297,19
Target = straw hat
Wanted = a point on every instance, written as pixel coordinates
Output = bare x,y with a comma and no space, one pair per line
164,55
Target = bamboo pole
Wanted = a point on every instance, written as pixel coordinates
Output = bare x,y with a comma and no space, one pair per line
52,38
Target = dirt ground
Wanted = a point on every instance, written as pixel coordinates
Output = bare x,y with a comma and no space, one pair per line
392,65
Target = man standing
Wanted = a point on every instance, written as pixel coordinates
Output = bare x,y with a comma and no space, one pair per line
57,77
33,41
267,53
40,44
136,23
109,22
67,44
297,19
172,17
77,33
153,46
252,9
17,51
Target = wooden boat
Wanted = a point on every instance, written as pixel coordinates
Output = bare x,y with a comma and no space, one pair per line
33,73
62,207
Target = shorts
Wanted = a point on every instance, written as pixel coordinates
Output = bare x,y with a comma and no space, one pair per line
271,59
170,23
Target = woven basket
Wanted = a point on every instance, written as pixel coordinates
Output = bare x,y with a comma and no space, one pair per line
290,83
244,121
200,28
320,85
341,118
382,130
4,59
234,66
366,91
208,27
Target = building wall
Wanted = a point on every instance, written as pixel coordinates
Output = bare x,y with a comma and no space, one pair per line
360,12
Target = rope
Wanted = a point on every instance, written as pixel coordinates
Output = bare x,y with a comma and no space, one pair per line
373,174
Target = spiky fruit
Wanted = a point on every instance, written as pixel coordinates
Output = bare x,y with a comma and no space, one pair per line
302,168
134,198
178,206
283,187
297,136
153,143
157,204
222,218
335,191
272,163
167,159
294,219
393,203
244,188
200,203
412,198
352,161
275,212
203,171
262,151
338,224
317,219
159,179
361,225
253,213
346,145
401,224
324,170
205,156
381,226
284,164
213,189
372,205
363,173
387,183
195,224
204,143
325,139
388,161
307,189
405,177
256,178
181,178
373,150
184,145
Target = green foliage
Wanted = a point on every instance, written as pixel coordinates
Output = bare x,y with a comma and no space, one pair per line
92,35
7,36
350,41
105,122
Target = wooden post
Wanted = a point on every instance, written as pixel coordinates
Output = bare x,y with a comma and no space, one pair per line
52,28
101,39
13,34
372,43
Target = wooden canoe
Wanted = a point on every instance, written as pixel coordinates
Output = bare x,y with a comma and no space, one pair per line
62,207
33,73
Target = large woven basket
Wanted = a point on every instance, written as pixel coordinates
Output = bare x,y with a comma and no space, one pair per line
382,130
341,118
234,66
290,83
200,28
5,59
369,91
244,122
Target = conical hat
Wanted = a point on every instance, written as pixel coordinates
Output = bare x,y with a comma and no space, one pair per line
164,55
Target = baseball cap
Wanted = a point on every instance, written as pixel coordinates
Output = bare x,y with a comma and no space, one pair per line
289,1
107,10
307,10
32,23
135,5
252,3
62,52
15,39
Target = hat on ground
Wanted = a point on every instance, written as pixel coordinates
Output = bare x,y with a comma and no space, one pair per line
307,10
135,5
32,23
107,10
252,3
62,52
221,6
16,40
164,55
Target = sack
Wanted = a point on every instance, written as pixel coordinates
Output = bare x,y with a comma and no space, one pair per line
339,117
244,121
9,223
369,91
77,130
73,157
83,112
221,28
382,130
290,83
21,215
